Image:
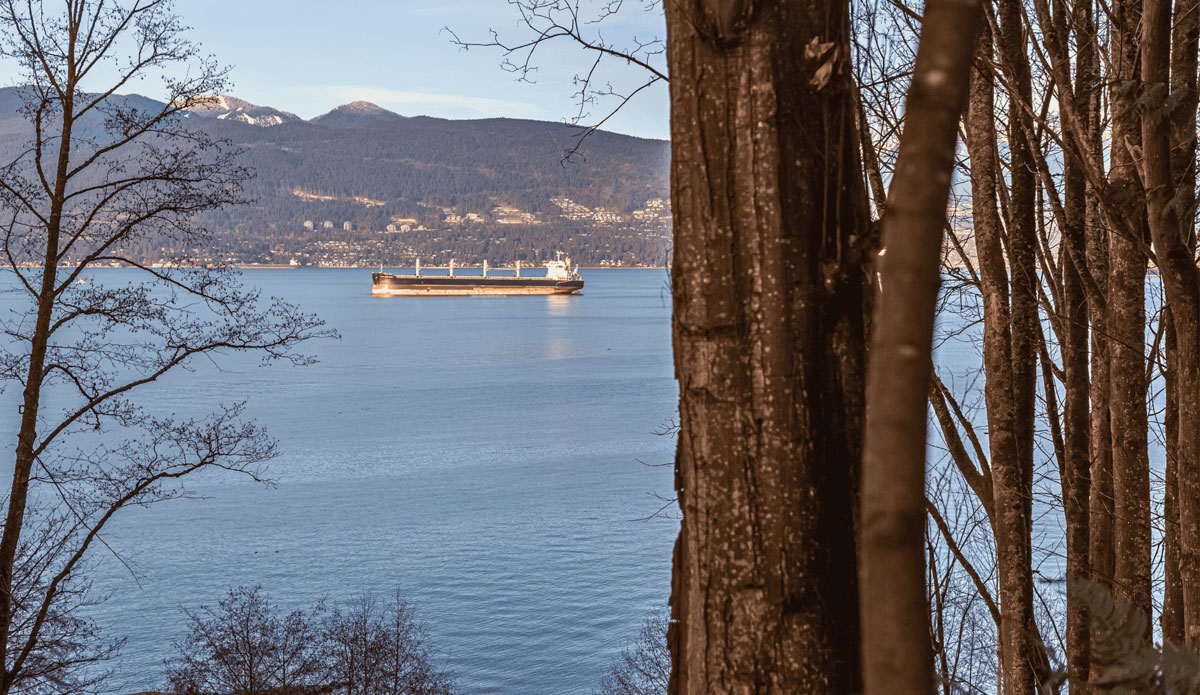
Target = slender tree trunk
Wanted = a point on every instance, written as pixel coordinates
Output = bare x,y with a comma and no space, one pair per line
1076,471
937,623
1014,473
1077,480
1127,324
769,292
1167,175
870,161
1076,476
1183,177
31,398
893,601
1185,53
1008,524
1100,504
1171,619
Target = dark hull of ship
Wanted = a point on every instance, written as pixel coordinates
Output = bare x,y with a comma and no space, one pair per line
388,285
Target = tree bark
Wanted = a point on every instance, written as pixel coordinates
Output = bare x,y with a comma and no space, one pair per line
769,292
14,520
1185,54
1100,504
1076,476
1076,473
1008,523
1126,324
893,600
1016,392
1166,178
1171,618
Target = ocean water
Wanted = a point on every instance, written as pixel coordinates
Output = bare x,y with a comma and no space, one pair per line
490,459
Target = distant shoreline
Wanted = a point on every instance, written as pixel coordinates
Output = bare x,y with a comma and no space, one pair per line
442,267
344,267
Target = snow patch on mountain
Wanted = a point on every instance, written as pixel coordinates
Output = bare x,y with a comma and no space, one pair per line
224,107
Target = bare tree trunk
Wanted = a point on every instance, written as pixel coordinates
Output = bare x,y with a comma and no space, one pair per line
1185,53
1166,177
1183,177
1100,504
1126,324
1076,476
27,436
893,599
769,292
1171,619
1008,522
870,161
937,626
1013,472
1076,472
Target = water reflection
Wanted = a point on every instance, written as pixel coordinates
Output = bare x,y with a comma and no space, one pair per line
558,350
559,304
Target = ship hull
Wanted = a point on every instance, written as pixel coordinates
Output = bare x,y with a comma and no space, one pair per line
388,285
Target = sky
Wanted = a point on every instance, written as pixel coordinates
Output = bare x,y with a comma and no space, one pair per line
309,56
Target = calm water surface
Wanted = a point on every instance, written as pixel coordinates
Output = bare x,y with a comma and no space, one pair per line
482,456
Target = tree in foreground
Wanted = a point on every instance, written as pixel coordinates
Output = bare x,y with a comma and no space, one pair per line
773,244
92,177
246,645
893,592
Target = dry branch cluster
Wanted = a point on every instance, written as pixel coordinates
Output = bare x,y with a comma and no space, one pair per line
1071,258
100,172
247,645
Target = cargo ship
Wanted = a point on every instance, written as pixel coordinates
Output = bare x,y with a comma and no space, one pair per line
560,278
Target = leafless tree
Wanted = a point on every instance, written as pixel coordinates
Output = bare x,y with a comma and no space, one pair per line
99,173
644,666
893,594
74,653
381,650
247,646
581,24
244,645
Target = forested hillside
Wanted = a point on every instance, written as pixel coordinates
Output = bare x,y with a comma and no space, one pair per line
427,187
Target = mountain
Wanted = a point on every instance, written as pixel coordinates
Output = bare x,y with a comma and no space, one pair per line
224,107
357,114
466,189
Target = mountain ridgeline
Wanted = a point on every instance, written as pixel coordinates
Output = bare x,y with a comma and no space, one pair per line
362,185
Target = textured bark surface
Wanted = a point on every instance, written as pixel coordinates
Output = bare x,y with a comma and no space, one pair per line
1077,425
1185,54
1100,504
894,603
1126,323
1168,139
769,310
1171,618
1014,393
1008,520
1076,474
